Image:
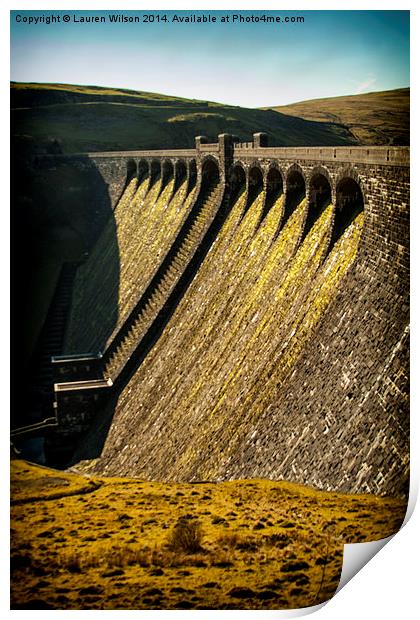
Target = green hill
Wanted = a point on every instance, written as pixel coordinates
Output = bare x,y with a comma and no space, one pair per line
373,118
89,118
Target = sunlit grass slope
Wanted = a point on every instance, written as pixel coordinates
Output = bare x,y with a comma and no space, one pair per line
93,543
86,118
373,118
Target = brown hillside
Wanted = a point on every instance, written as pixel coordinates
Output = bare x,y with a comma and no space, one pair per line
373,118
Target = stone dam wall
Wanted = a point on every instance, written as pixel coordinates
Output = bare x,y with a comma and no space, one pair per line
244,314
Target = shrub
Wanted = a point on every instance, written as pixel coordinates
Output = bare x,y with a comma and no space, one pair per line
186,536
72,562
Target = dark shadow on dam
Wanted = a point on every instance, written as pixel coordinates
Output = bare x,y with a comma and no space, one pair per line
349,203
295,193
255,187
59,206
274,191
237,183
99,283
92,446
319,198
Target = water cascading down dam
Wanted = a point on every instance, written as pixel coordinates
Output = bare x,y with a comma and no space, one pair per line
254,322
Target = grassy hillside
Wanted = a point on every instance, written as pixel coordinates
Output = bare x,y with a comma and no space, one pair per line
82,542
45,94
373,118
89,118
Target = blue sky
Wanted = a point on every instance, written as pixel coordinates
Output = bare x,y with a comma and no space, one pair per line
332,53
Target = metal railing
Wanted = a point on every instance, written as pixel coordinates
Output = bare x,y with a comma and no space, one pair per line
33,428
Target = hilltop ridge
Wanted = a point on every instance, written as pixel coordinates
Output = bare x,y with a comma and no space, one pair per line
90,118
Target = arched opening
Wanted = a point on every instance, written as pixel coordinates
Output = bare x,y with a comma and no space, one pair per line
180,174
143,180
209,173
155,167
131,171
295,191
192,175
274,190
237,183
349,203
319,198
167,171
255,185
319,191
143,170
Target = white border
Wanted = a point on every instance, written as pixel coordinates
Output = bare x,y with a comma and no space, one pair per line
387,587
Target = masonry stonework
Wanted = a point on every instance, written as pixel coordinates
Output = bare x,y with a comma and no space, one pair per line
340,419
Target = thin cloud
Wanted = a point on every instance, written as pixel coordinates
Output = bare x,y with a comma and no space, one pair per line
366,85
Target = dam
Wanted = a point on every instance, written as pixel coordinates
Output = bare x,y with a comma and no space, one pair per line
243,313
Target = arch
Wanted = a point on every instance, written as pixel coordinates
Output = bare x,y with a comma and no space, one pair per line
295,189
348,204
319,196
238,169
255,175
275,169
143,169
131,171
180,171
274,185
320,185
237,178
349,172
210,173
167,169
155,169
255,184
241,163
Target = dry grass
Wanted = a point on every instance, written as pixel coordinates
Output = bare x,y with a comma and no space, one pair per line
130,544
373,118
186,536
